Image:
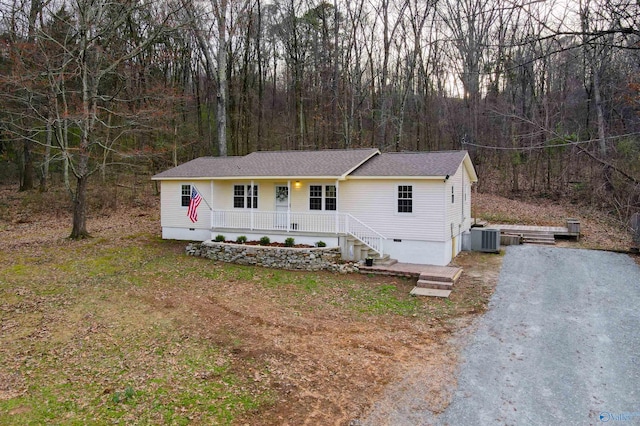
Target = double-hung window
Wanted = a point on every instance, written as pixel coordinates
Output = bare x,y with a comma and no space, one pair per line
315,197
330,197
245,196
185,195
405,199
323,197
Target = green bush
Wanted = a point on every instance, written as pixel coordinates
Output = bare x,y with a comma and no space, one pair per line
241,239
321,244
289,242
220,238
265,241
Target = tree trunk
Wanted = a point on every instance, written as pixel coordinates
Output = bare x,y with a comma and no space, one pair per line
221,113
602,138
260,77
27,182
44,182
79,230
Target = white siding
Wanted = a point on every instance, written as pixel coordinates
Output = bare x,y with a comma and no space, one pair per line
454,209
459,211
375,202
421,252
223,194
173,215
298,194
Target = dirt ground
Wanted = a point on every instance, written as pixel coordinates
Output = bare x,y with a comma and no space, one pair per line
320,361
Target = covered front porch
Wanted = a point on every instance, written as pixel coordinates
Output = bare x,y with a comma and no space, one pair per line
297,223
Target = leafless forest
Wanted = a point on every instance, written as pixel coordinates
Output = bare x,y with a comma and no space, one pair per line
545,95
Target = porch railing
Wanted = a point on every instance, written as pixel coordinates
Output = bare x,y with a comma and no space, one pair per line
327,223
363,232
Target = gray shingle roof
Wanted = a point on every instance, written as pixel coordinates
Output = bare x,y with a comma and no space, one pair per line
202,167
294,164
440,163
326,163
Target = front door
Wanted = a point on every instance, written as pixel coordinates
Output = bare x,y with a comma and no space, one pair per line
282,205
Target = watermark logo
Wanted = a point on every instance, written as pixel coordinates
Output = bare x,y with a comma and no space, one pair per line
606,416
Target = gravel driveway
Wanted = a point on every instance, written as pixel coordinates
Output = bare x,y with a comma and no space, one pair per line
559,344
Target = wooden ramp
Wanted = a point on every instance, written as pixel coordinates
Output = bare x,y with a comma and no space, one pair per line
435,281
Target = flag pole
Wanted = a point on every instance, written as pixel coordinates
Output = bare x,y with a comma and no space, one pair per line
205,200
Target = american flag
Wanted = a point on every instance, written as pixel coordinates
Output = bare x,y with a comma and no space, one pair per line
192,212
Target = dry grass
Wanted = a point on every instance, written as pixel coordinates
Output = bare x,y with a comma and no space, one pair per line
124,328
598,231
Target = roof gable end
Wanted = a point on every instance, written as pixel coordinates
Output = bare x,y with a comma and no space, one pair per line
436,164
331,164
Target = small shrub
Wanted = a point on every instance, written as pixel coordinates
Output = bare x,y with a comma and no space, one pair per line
241,239
123,397
265,241
220,238
289,242
321,244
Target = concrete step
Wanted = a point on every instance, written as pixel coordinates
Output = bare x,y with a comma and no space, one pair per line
380,261
386,261
419,291
376,256
442,274
440,285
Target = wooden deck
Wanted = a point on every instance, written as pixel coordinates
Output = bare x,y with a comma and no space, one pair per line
523,229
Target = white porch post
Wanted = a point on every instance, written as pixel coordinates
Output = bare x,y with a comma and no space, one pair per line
211,207
337,206
346,223
252,208
288,205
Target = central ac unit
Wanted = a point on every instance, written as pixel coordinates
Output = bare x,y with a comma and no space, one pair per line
486,240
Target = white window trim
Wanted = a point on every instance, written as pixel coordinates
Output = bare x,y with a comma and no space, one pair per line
396,190
323,197
181,194
247,187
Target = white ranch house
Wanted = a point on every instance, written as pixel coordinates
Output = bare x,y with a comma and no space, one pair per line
413,207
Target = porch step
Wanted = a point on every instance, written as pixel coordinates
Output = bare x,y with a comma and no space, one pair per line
420,291
360,250
539,241
383,261
437,282
438,285
532,237
441,274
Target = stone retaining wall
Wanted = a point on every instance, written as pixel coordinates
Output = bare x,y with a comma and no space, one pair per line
306,259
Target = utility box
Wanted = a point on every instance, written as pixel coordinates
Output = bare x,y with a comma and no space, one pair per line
573,226
485,240
466,241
